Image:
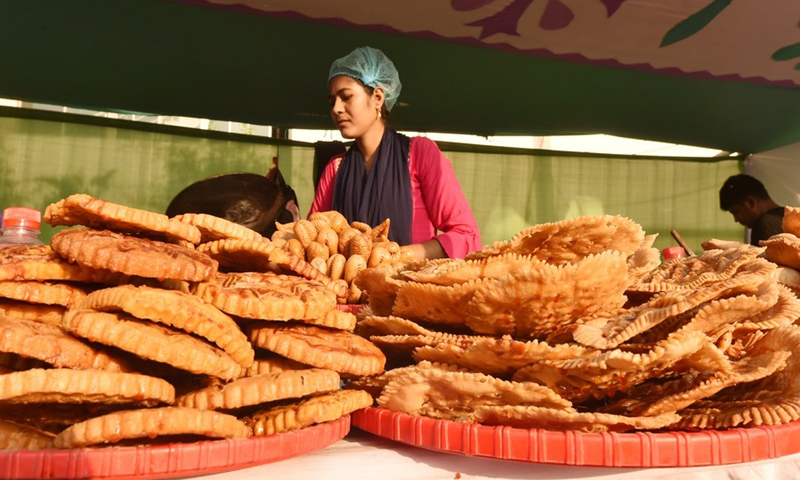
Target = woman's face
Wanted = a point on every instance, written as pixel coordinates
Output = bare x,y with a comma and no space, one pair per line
353,110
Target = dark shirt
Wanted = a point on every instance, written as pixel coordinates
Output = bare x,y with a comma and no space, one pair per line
768,225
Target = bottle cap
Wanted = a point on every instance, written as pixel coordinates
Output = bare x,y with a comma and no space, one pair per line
22,217
671,253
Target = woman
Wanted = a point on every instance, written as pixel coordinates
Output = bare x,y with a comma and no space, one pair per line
385,174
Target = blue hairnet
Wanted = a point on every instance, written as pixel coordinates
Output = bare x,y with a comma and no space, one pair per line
373,68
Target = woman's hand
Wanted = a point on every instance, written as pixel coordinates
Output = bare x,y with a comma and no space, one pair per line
427,250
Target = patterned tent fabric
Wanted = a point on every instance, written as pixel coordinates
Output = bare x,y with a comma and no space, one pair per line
738,40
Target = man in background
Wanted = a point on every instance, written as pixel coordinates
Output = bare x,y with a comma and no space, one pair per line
747,199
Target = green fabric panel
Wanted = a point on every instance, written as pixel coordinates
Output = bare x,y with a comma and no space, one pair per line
508,192
43,160
170,58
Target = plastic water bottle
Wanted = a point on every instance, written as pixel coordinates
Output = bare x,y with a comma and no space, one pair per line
20,227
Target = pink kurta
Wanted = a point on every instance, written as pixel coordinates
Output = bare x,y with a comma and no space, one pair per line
438,202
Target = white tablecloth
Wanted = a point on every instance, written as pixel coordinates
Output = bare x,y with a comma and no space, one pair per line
363,456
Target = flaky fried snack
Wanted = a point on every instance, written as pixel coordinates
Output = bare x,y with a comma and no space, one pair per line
255,390
215,228
53,345
336,350
14,436
148,424
107,250
40,262
152,341
61,385
176,309
82,209
267,296
322,408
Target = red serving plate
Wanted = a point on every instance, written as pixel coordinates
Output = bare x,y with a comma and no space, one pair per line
172,460
634,450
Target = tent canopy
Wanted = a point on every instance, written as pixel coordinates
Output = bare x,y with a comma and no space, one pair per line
714,73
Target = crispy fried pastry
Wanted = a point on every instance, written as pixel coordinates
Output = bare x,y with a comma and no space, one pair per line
382,282
104,249
498,356
570,240
390,325
263,256
739,413
62,385
267,296
268,362
434,303
641,263
337,350
49,314
619,328
42,292
538,298
400,350
269,387
176,309
326,407
82,209
151,423
152,341
454,271
675,395
719,244
561,419
783,249
53,345
374,384
40,262
689,273
15,436
603,374
791,220
455,395
213,228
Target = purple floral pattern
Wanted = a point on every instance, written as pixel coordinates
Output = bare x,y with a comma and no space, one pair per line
556,15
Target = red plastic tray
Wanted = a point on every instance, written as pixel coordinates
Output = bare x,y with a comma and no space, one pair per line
168,461
634,450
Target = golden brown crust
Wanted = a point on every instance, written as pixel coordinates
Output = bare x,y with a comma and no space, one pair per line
152,341
63,385
570,240
336,350
791,220
82,209
48,293
176,309
14,436
248,391
104,249
454,395
268,362
49,314
215,228
783,249
262,255
311,411
40,262
53,345
267,296
150,423
556,419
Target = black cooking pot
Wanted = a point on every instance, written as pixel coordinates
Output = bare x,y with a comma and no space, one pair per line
249,199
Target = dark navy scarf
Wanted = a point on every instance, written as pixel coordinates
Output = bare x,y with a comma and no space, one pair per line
384,192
